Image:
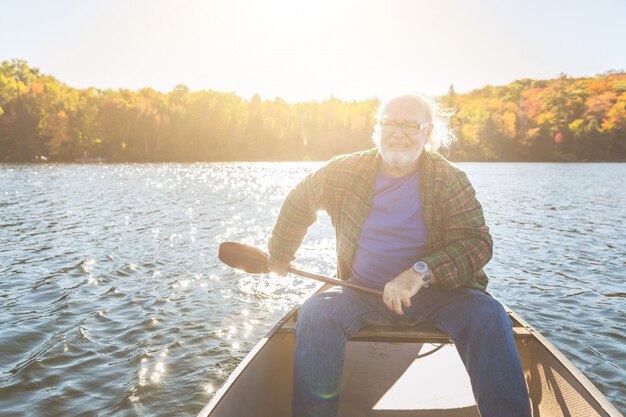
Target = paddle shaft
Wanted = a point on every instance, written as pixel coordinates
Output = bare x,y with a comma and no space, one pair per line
334,281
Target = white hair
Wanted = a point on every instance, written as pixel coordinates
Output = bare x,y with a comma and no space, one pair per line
441,135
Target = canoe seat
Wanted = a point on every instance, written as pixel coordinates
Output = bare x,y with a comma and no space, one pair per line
416,333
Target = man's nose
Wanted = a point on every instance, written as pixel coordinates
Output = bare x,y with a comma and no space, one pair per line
397,133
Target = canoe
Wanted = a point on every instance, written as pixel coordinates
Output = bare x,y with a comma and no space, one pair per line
404,371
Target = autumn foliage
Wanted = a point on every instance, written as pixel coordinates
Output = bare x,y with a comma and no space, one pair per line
564,119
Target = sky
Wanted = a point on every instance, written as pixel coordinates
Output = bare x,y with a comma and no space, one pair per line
302,50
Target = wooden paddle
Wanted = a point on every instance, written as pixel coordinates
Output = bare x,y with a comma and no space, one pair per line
254,261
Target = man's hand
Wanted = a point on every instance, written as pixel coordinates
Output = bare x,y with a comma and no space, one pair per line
398,291
278,267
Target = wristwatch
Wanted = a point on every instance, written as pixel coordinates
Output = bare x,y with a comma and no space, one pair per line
422,268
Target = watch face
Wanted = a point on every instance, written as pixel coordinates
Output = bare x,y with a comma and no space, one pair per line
420,267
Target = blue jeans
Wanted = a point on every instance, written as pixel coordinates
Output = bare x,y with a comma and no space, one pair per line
474,321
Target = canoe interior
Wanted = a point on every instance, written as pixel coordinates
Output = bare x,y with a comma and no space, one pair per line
384,378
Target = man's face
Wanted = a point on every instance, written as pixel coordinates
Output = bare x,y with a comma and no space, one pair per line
402,146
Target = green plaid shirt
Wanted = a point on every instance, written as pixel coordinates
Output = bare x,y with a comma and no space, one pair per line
459,243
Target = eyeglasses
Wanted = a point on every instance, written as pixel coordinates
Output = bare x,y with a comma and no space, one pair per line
407,128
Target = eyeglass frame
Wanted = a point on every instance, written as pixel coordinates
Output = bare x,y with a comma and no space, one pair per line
402,126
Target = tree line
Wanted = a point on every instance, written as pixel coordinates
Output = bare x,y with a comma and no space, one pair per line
41,118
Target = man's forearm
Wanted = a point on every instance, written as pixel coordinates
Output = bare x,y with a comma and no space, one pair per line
467,245
286,236
298,212
458,264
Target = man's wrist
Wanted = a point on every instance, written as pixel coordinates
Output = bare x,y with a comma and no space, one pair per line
417,277
423,272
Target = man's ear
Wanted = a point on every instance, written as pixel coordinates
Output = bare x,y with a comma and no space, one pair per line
428,132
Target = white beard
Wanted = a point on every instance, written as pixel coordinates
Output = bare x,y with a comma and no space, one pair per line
400,158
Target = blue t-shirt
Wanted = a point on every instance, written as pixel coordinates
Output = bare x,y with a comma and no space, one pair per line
394,234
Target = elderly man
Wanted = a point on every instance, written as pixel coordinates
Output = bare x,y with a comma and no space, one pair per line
407,222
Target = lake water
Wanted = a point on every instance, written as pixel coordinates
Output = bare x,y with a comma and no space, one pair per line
112,301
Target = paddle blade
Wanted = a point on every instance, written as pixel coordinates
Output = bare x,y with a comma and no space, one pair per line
244,257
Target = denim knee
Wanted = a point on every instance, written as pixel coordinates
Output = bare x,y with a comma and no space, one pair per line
318,309
333,312
490,313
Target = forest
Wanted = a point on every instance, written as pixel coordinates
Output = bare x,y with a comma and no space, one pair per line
44,119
